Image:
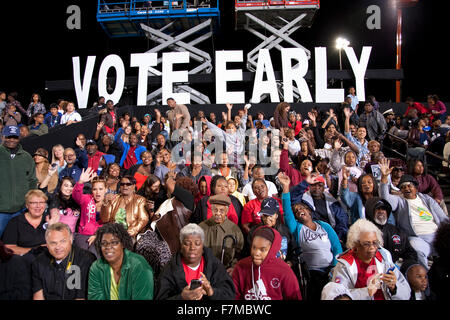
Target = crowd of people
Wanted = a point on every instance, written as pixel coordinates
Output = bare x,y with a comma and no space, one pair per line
242,207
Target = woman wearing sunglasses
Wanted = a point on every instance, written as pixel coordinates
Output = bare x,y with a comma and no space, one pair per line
127,208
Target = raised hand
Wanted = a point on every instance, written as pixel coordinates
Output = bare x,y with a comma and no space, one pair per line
229,106
285,181
53,217
100,125
87,175
384,167
347,112
345,173
337,144
52,169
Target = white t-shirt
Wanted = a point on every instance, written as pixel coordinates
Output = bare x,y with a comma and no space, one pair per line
74,116
421,218
248,191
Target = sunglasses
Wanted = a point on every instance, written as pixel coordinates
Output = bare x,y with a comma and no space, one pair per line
128,184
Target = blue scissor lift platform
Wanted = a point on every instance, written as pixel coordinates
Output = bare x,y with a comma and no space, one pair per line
177,26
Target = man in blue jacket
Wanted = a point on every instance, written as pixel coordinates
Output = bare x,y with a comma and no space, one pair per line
76,162
326,207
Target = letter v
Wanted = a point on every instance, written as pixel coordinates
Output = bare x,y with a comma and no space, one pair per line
82,90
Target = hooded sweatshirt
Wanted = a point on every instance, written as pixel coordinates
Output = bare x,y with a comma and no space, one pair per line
236,193
272,280
199,196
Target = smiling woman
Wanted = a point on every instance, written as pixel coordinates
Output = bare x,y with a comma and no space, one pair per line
120,274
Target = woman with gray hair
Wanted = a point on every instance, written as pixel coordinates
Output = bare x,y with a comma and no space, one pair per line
366,269
194,273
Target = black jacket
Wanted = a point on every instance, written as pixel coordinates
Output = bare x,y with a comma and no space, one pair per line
15,279
201,211
54,278
172,280
395,240
113,150
439,279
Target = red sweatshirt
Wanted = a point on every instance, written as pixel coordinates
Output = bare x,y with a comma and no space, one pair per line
272,280
293,174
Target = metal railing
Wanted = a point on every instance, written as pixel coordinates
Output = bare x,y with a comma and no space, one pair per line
406,142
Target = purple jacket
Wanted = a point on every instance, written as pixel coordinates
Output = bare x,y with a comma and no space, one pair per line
427,184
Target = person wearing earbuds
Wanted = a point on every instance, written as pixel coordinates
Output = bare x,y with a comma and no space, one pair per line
61,273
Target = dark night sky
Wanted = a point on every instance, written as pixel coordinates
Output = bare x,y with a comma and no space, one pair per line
37,46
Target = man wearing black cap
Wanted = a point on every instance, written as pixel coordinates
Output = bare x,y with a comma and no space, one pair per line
395,240
217,228
17,175
94,156
417,214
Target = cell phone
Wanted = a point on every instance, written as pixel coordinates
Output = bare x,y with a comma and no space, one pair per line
195,283
390,269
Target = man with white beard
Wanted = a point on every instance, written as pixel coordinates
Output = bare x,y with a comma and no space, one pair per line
395,240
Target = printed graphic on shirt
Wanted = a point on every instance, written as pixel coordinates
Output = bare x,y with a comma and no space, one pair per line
396,239
275,283
258,292
424,214
311,235
121,217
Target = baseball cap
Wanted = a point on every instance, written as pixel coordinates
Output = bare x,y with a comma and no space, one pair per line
90,141
269,207
147,114
389,111
407,178
11,131
41,152
319,179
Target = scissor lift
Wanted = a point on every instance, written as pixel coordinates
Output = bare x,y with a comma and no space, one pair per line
280,19
176,26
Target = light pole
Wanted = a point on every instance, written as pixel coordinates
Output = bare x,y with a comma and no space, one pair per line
340,44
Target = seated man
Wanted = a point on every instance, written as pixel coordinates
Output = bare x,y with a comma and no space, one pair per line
327,208
217,228
415,213
395,240
61,273
263,276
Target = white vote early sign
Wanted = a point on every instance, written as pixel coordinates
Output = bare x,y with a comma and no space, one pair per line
294,69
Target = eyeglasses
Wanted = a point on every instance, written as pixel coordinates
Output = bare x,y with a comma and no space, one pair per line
128,184
69,155
37,203
367,245
105,244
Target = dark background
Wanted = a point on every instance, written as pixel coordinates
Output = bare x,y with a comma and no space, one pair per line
37,46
